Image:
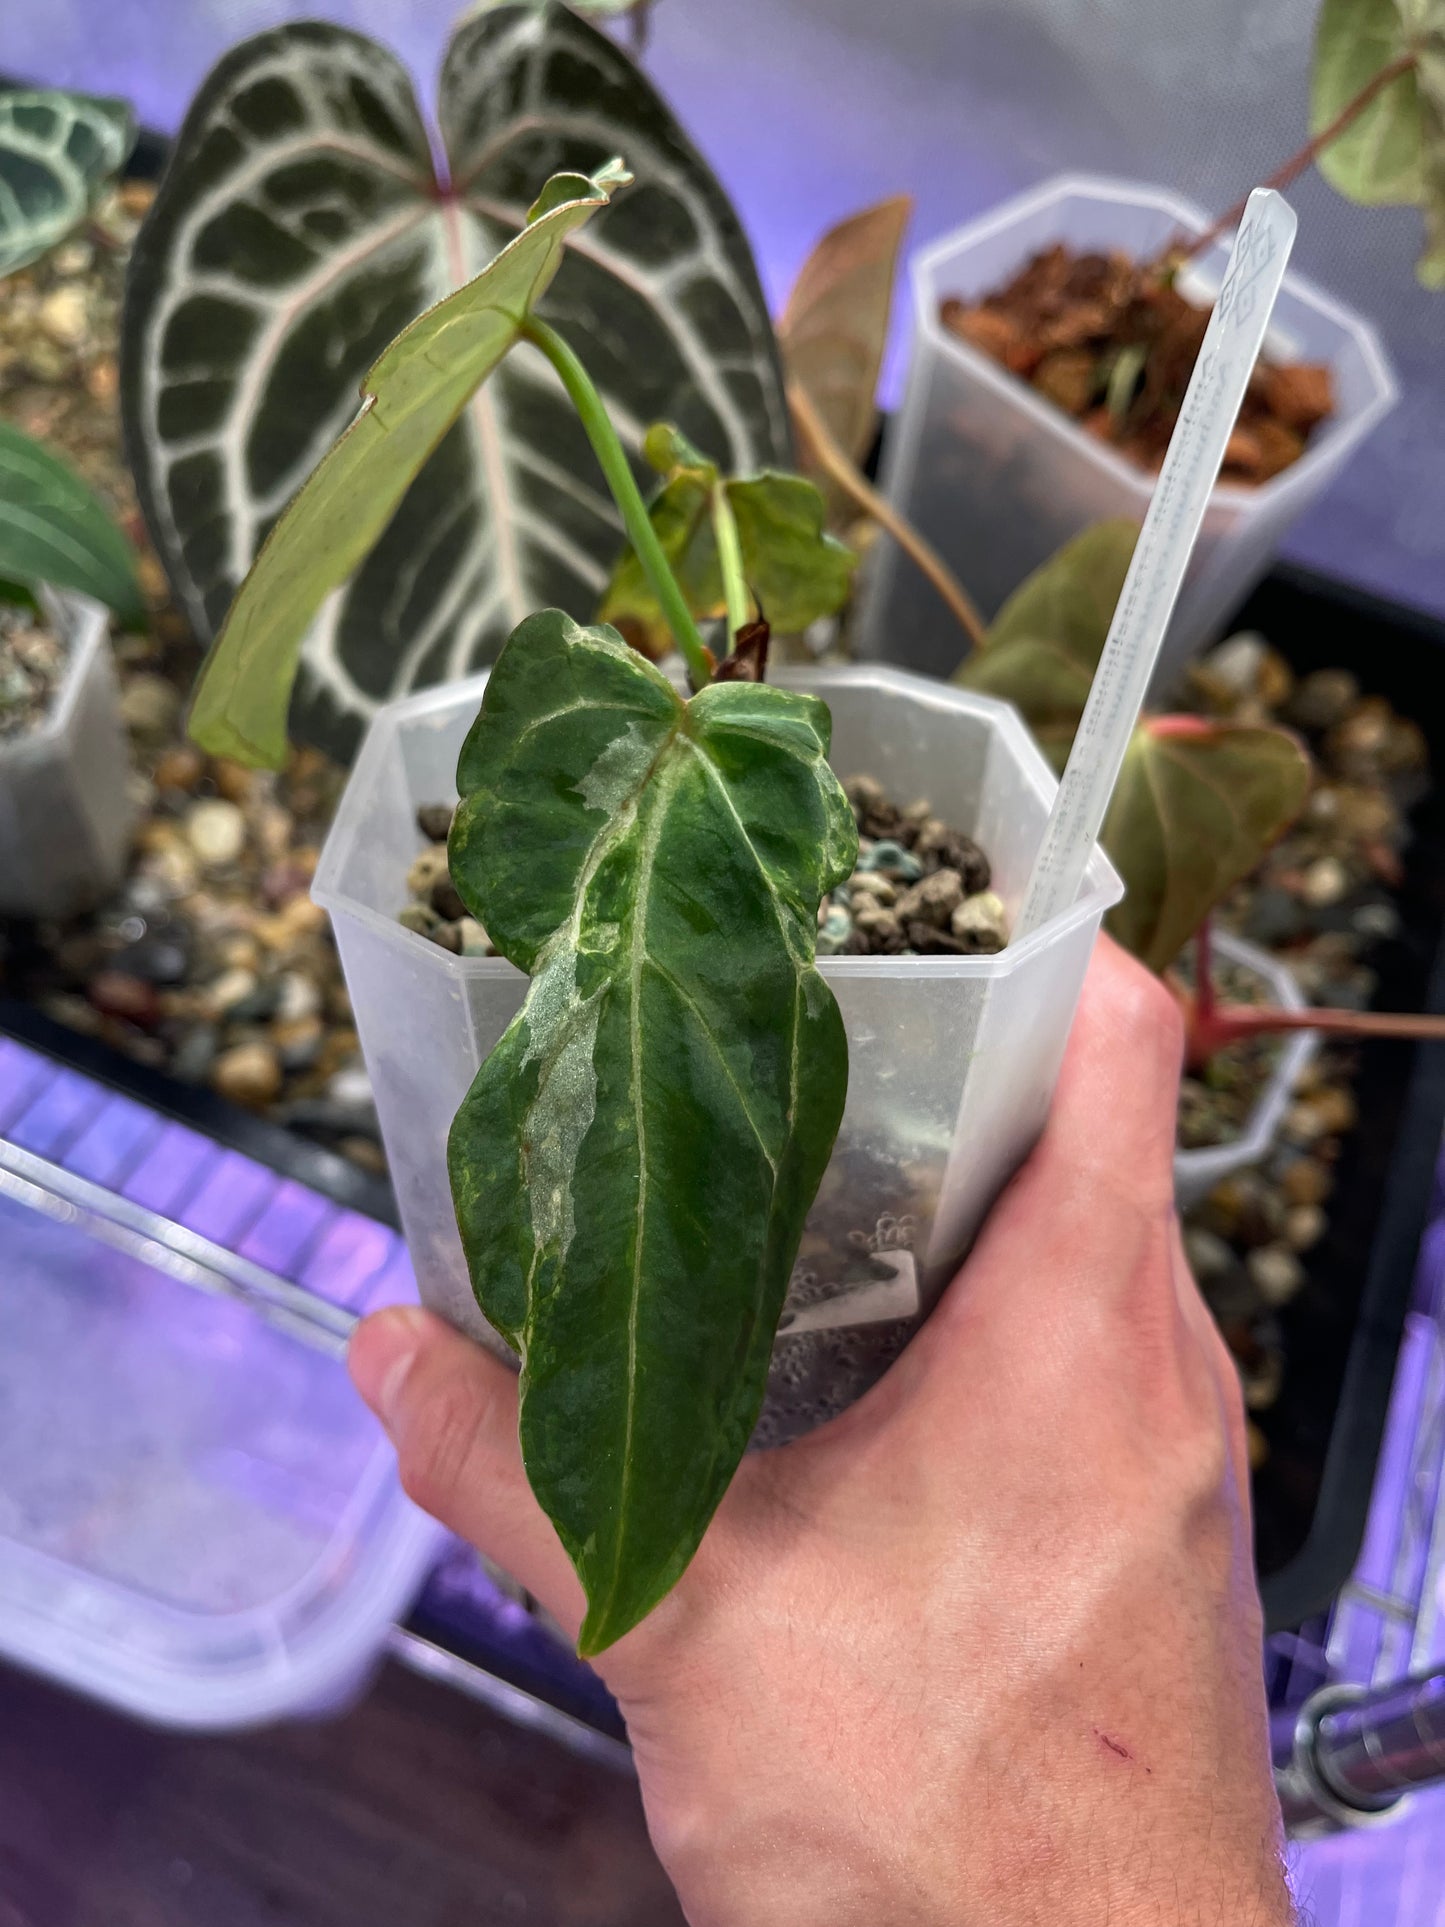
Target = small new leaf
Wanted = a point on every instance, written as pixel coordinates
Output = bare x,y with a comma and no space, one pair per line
410,399
795,569
57,151
1196,807
835,327
1044,645
1393,153
633,1164
53,529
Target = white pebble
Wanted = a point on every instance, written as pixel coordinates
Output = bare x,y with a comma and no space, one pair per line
232,987
1276,1272
300,997
1325,882
217,831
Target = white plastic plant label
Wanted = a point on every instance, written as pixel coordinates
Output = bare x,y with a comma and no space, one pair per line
1212,401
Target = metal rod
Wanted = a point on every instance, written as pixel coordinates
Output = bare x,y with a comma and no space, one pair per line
1384,1745
1357,1751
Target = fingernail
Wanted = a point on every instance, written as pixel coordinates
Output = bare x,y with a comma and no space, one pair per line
382,1351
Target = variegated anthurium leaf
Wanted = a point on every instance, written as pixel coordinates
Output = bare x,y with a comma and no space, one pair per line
54,530
300,225
795,569
1394,151
1196,807
57,151
633,1165
1045,642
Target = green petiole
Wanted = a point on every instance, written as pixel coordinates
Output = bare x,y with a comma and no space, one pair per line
730,562
628,497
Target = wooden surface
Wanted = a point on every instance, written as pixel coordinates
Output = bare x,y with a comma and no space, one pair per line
417,1809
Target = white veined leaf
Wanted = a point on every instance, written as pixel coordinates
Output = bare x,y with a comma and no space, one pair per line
301,225
56,152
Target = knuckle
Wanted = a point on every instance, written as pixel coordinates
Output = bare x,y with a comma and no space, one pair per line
437,1443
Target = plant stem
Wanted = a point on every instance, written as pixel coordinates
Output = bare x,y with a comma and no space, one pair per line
730,561
625,492
1204,998
839,469
1297,163
1207,1033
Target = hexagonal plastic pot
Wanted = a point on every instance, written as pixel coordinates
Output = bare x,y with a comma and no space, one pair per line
952,1059
998,478
64,813
1197,1172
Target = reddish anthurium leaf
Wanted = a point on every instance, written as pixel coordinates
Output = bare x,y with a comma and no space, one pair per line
1196,807
835,327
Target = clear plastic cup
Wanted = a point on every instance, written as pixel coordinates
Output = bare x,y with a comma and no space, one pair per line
64,813
1197,1172
952,1060
997,478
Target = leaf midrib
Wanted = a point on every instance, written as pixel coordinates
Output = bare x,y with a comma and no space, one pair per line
637,961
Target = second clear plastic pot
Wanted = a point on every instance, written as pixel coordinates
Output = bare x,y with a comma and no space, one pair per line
997,478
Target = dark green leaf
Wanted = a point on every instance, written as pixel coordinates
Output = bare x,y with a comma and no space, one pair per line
634,1162
56,153
1195,809
1394,151
796,570
1045,643
53,529
300,226
17,594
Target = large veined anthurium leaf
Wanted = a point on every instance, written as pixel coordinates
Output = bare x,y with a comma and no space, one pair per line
795,569
412,397
54,530
57,151
1394,151
633,1164
1045,642
301,225
1196,807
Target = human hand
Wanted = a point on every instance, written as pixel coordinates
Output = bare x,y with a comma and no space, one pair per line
987,1647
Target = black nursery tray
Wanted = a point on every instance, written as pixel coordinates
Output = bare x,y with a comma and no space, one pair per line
1341,1334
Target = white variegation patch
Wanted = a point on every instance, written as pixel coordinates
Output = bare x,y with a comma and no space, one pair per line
562,1035
619,771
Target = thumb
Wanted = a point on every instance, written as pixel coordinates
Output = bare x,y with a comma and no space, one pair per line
450,1409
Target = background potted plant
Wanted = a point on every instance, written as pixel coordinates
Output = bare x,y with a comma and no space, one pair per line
1199,803
64,811
1027,418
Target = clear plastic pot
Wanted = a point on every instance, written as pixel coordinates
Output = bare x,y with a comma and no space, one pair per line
1197,1172
997,478
64,813
952,1059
